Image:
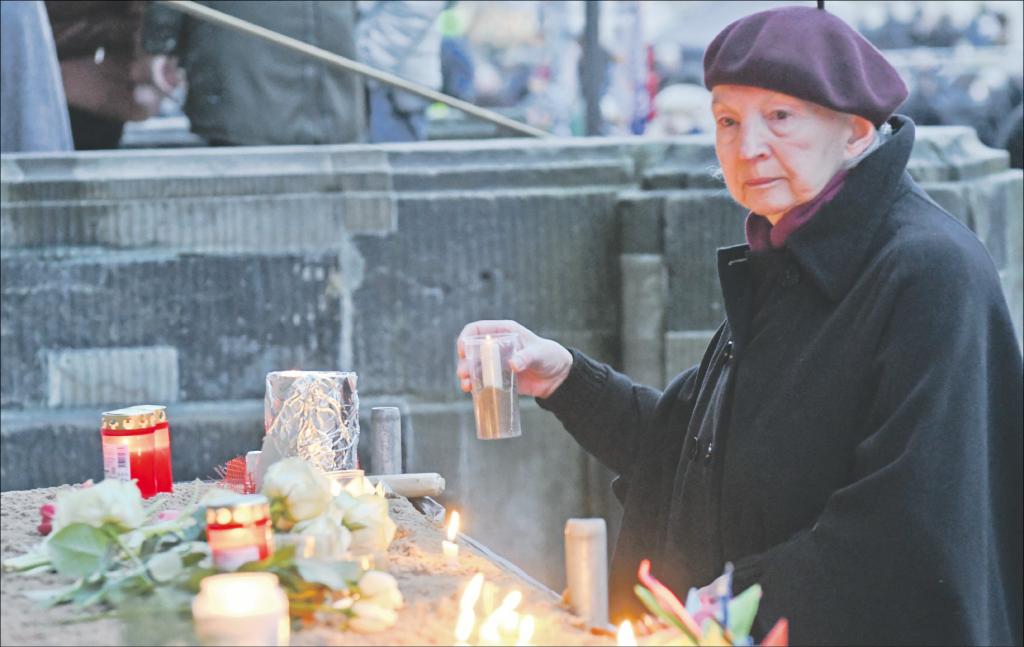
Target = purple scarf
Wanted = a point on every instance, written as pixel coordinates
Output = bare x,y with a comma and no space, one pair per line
762,236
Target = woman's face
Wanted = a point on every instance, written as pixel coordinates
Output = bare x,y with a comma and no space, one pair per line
778,151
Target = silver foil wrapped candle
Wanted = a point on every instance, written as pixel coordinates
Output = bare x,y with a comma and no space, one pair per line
313,415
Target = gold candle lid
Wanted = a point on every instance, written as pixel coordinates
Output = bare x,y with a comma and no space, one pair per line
242,509
158,411
127,418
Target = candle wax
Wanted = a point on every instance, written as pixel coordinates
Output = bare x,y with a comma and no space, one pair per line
451,552
490,363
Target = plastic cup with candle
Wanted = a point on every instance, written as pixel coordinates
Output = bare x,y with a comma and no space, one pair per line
495,401
241,609
448,546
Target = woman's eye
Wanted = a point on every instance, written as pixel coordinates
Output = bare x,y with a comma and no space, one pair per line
725,122
780,114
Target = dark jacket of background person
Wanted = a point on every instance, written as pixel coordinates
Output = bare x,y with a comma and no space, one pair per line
852,438
102,64
401,38
243,90
34,111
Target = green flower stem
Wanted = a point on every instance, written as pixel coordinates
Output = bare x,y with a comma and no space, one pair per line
26,562
307,606
135,558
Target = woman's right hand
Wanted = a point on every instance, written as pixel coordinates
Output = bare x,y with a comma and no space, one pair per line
541,365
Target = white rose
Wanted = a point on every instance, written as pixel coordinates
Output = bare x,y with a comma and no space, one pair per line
332,538
307,491
372,527
380,589
370,618
112,501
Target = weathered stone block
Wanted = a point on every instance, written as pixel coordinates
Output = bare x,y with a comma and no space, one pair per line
100,376
231,318
640,221
644,294
684,349
696,224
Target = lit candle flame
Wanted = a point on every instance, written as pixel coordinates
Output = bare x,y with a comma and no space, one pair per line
489,630
453,526
467,617
626,635
464,626
525,630
472,593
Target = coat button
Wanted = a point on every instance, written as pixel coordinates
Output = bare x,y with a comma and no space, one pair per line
693,448
727,353
709,451
791,276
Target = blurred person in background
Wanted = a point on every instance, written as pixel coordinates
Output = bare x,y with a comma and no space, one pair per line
32,104
244,91
402,38
681,109
458,71
108,79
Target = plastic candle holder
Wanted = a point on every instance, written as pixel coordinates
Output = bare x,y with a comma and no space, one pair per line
241,609
128,440
493,384
239,531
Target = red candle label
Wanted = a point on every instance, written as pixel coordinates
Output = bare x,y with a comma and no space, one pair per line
115,462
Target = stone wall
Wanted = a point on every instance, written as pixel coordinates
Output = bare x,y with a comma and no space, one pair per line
183,276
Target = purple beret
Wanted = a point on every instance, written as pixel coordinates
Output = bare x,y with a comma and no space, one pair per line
809,54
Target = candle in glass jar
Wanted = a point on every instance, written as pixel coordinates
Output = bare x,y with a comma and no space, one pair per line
449,547
129,448
238,530
241,609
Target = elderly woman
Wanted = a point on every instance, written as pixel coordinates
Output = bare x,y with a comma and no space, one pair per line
852,438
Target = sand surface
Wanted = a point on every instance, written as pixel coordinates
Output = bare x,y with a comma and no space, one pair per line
431,589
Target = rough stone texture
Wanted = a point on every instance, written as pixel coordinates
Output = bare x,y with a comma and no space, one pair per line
684,349
372,258
644,293
696,224
232,318
93,376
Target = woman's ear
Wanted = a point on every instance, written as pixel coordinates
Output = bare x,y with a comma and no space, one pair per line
862,134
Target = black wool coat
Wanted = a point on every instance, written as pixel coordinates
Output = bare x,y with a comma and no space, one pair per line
852,438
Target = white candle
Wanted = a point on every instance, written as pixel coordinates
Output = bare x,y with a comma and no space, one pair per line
449,547
490,363
241,609
586,569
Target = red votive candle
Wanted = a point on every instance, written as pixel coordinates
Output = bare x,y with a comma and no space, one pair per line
163,470
238,530
128,448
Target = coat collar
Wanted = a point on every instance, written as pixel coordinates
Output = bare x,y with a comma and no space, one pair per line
832,248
